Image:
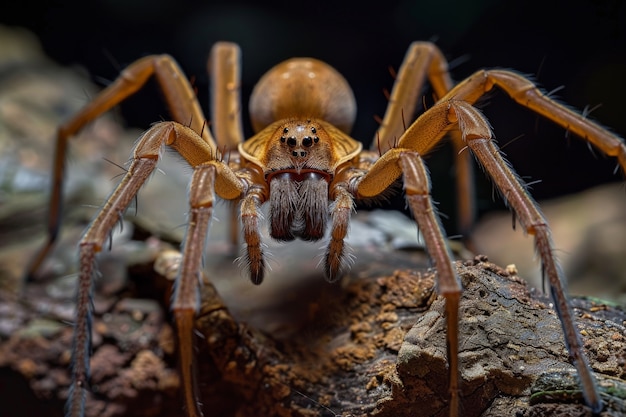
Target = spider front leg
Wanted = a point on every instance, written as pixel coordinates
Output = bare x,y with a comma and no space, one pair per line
144,161
424,133
478,137
145,157
417,190
207,178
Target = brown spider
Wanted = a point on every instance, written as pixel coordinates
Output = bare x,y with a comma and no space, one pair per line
303,163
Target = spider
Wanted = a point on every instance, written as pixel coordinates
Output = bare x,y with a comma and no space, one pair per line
303,164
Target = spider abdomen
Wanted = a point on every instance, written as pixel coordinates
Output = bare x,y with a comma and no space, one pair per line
302,86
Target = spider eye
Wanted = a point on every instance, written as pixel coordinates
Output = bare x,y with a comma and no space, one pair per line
292,141
307,141
313,130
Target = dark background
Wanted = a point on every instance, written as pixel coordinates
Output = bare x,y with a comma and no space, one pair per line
578,44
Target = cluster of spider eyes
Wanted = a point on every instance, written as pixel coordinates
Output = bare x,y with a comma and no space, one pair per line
307,141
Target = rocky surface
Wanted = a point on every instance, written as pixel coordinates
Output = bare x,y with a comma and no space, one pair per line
372,345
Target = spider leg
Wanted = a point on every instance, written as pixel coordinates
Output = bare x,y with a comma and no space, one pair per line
250,214
186,297
341,208
144,162
417,190
477,133
205,181
424,60
424,133
528,95
145,159
407,162
179,97
224,67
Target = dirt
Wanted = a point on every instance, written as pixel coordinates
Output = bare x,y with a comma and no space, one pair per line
374,344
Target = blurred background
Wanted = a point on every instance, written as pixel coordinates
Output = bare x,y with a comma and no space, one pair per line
575,48
578,45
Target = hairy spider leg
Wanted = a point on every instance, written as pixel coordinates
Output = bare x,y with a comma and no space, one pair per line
424,61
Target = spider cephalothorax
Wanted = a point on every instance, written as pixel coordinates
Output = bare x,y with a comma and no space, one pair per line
303,163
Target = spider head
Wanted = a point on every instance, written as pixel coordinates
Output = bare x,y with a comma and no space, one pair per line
300,145
299,140
293,145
